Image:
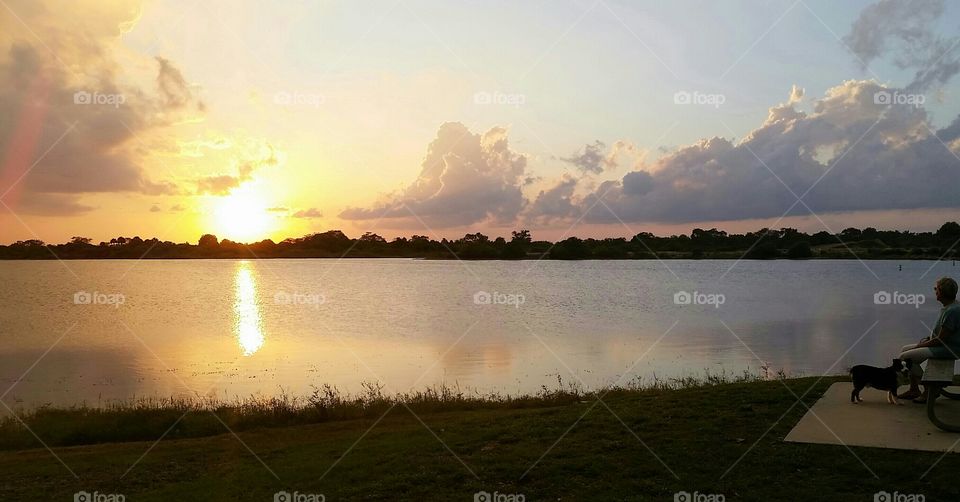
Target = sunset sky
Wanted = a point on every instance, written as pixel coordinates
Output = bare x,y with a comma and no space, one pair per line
252,120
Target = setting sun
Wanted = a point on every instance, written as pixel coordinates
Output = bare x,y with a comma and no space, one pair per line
241,216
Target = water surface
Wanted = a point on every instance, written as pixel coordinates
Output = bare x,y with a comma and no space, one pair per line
233,328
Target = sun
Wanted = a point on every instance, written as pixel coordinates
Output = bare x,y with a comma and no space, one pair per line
241,216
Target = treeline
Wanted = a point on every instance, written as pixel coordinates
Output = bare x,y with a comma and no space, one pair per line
868,243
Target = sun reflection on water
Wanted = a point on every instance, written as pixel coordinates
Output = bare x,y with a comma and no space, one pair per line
247,325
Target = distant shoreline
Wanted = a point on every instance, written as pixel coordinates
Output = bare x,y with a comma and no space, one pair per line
764,244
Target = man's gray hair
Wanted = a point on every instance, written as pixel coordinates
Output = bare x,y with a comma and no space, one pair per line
948,287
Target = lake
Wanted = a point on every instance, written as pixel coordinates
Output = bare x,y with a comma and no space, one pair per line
97,331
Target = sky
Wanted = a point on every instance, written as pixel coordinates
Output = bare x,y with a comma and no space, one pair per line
593,118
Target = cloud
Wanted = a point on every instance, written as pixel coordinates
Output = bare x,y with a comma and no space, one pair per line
278,209
554,203
51,204
591,158
308,213
796,95
196,148
465,179
73,125
594,159
950,133
174,89
902,28
871,156
176,208
71,30
218,185
222,184
623,148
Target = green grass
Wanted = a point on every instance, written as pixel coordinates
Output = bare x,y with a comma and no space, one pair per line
716,437
177,418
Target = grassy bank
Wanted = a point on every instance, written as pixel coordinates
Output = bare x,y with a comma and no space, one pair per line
178,417
637,444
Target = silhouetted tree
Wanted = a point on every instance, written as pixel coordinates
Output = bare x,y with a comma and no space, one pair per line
208,241
477,237
518,246
372,237
850,234
765,250
800,250
763,244
30,243
522,236
949,230
570,249
475,246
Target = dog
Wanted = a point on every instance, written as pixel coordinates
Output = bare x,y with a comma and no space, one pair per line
878,378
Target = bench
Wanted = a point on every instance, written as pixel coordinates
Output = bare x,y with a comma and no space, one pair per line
938,376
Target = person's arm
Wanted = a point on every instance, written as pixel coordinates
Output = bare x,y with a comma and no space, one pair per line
949,326
938,339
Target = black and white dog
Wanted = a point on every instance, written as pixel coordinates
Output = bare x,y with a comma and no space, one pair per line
878,378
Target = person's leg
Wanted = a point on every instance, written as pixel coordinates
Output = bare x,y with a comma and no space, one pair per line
915,356
934,353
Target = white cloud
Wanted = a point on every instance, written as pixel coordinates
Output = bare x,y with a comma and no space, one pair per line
885,158
465,179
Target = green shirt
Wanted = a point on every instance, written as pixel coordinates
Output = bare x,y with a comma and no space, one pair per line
950,319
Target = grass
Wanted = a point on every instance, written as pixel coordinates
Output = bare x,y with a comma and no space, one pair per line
177,417
642,442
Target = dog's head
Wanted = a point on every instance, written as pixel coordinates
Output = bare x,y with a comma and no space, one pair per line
898,365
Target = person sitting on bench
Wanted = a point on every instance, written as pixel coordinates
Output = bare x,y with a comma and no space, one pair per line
943,342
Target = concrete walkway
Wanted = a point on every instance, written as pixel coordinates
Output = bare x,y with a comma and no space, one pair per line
874,422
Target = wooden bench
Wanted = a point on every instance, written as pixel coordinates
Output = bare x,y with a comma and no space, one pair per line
938,376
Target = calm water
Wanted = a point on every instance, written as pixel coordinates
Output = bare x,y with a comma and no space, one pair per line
235,328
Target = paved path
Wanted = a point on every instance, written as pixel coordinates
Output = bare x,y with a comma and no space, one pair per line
874,422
